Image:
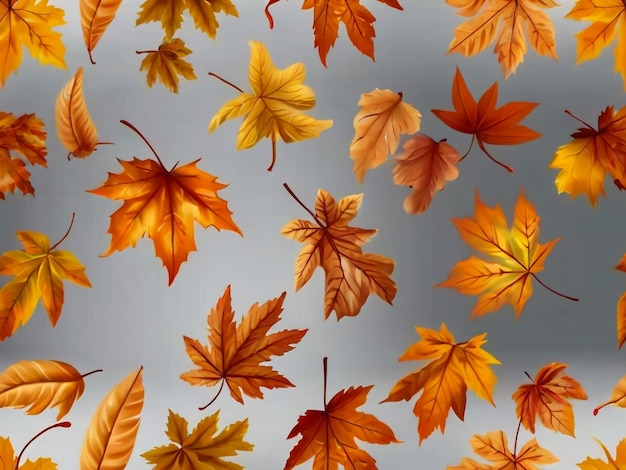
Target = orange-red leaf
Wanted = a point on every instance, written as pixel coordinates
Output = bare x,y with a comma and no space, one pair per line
621,309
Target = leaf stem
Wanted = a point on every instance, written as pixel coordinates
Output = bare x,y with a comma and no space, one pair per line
506,167
92,372
574,299
128,124
62,424
293,195
325,365
226,81
66,233
273,155
519,425
567,111
144,52
528,375
470,148
214,398
93,62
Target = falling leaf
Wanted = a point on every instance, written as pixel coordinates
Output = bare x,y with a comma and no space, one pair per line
111,434
585,160
202,448
504,21
237,351
41,384
26,136
163,204
444,381
424,166
273,109
170,14
494,447
486,123
10,462
327,14
167,63
378,124
350,275
328,435
621,309
39,271
516,253
611,463
30,23
618,397
547,398
95,17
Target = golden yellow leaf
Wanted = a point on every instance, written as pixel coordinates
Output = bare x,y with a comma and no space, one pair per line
618,396
611,464
95,17
167,63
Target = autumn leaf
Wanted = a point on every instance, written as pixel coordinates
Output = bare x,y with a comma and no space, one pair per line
350,275
378,124
444,381
504,22
30,23
547,397
618,397
328,435
10,462
273,108
237,351
611,463
41,384
515,257
170,14
163,204
486,123
494,447
425,166
621,309
39,271
111,434
328,14
592,154
26,136
95,18
167,63
202,448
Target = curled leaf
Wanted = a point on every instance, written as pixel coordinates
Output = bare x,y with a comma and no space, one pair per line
95,17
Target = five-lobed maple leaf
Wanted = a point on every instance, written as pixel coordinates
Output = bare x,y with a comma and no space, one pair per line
486,123
328,435
26,136
516,256
328,14
273,108
585,161
454,368
351,275
163,204
39,270
201,448
547,397
621,309
236,352
9,461
504,22
167,63
616,463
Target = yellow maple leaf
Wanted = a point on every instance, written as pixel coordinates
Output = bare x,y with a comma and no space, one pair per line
167,63
611,464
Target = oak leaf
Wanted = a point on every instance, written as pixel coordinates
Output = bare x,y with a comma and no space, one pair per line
486,123
26,136
237,351
425,166
494,447
444,381
163,204
95,17
328,435
39,270
378,124
30,23
350,275
515,256
167,63
504,22
273,109
618,396
547,397
200,449
328,14
585,161
611,464
621,309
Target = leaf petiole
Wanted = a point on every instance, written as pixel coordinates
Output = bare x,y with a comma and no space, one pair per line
66,233
201,408
567,111
62,424
574,299
226,81
468,150
506,167
293,195
128,124
92,372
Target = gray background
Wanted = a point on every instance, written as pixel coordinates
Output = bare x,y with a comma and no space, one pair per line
131,318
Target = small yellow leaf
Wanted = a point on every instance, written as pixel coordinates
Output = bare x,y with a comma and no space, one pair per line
167,63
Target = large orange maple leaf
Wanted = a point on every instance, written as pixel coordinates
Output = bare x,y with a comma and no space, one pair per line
163,204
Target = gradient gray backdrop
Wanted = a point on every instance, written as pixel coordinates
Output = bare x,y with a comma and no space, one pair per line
131,318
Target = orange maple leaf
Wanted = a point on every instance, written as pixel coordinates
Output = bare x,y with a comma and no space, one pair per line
236,352
327,14
164,204
486,123
547,398
509,19
328,435
621,309
585,161
611,464
351,275
26,136
516,253
444,381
